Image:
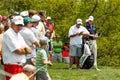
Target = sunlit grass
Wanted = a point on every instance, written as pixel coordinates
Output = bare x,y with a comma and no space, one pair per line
60,71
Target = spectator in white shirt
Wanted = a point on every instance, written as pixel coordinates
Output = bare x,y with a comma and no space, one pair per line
14,47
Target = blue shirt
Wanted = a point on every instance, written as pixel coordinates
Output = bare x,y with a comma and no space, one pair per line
92,29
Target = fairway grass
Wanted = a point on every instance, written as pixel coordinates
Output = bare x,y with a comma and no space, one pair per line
60,71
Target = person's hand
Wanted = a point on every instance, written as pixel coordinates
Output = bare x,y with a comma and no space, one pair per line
49,63
96,36
77,34
81,33
27,50
33,61
51,55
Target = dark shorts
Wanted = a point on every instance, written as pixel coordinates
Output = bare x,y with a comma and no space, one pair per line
42,75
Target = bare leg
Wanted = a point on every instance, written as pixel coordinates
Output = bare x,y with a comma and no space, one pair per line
77,62
71,61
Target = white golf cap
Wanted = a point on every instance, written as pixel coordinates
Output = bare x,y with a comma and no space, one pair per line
36,18
24,13
48,17
91,18
18,20
79,21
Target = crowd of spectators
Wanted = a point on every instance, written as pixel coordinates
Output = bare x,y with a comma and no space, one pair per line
28,44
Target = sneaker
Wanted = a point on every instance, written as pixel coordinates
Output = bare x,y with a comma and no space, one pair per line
97,69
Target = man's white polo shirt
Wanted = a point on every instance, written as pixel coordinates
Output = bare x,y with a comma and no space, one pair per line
29,38
76,40
35,32
11,42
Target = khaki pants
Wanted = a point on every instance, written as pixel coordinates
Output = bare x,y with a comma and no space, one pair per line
93,48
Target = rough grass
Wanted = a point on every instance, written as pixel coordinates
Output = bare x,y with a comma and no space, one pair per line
60,71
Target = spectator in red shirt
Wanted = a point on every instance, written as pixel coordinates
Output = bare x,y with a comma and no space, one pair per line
65,52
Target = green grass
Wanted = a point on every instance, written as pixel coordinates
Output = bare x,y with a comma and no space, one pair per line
60,71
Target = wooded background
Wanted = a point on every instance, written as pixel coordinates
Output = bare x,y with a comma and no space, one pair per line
65,12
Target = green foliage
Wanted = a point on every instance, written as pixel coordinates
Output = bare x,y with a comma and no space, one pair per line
65,12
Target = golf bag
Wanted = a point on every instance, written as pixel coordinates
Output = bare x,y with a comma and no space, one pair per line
87,58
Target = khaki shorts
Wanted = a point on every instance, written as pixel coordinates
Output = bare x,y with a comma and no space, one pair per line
75,51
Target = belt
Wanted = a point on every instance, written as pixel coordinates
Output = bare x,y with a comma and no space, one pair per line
57,52
17,63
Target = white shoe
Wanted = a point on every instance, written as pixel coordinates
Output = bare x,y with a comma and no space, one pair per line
98,69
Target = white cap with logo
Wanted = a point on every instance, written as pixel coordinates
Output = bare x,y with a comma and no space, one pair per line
24,13
79,21
36,18
18,20
91,18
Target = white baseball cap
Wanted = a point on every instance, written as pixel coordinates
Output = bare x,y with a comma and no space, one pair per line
48,17
18,20
36,18
24,13
79,21
91,18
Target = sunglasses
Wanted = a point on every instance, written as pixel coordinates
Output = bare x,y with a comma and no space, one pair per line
19,25
78,24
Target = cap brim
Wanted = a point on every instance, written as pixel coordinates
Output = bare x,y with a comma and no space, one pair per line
32,20
79,23
90,19
19,23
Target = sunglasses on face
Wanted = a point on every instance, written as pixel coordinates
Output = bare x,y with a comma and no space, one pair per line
19,25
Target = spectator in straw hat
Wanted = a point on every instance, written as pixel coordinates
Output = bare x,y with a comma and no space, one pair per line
32,12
